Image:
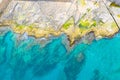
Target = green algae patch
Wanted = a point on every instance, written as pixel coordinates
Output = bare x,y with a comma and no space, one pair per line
68,23
22,26
94,23
86,23
113,4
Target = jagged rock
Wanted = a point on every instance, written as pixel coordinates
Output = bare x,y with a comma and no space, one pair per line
41,12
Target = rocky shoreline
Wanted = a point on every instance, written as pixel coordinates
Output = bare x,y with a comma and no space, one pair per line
35,32
94,19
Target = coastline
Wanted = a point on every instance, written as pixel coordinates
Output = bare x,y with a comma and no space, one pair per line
72,37
91,20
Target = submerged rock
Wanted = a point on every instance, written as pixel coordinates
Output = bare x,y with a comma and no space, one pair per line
74,66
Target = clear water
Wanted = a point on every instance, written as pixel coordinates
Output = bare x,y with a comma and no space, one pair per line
28,60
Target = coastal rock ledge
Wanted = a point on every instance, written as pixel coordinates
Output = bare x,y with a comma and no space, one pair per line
75,18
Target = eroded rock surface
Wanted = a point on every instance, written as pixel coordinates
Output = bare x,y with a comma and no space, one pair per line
74,18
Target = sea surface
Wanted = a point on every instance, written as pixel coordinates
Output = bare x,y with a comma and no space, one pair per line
28,59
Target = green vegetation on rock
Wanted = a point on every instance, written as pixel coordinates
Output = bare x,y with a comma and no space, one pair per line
113,4
86,23
21,26
68,23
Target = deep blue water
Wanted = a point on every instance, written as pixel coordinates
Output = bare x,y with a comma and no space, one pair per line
29,60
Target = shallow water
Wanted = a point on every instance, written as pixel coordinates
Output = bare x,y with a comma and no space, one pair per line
29,60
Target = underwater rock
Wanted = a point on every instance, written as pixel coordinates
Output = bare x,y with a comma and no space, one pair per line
88,38
73,66
24,36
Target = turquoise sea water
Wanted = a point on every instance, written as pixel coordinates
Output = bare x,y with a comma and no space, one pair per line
29,60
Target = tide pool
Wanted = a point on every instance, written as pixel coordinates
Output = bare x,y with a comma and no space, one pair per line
27,59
